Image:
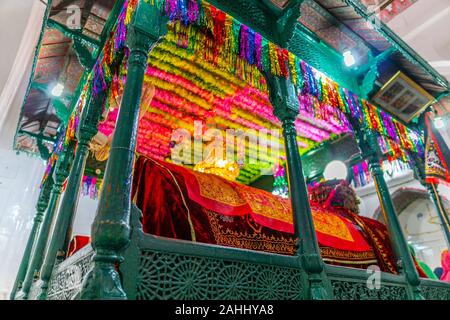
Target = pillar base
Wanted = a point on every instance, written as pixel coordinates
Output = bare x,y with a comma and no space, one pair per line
43,289
317,289
102,282
20,296
415,293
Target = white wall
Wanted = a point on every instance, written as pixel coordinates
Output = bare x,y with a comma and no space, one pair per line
424,234
14,17
425,27
85,216
369,197
20,175
423,230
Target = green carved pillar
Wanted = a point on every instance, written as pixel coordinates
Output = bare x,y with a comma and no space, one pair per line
111,228
62,233
42,204
61,173
286,107
398,241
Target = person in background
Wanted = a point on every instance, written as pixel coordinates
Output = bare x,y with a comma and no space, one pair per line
438,272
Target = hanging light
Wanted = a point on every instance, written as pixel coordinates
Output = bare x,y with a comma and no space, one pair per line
439,123
349,59
335,170
58,90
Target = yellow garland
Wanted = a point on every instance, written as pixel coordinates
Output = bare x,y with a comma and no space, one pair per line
197,76
292,68
180,92
274,65
186,63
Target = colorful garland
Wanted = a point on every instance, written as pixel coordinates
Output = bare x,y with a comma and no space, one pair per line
91,187
191,72
58,147
280,184
362,176
101,73
236,46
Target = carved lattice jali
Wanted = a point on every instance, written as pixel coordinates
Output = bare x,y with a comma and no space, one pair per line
351,290
175,276
435,291
68,276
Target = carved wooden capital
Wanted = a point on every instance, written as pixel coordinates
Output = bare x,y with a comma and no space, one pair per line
147,26
283,97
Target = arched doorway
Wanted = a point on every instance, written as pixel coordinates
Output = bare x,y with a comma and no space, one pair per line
420,223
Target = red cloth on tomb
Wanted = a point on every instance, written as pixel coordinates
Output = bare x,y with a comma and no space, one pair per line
181,204
77,243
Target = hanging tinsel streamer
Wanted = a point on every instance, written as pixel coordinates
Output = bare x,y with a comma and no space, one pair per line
231,44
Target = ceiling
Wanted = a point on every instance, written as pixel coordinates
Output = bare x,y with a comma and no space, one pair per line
334,21
343,27
58,62
418,27
190,88
94,14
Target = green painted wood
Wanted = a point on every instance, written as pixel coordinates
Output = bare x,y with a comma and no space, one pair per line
89,121
38,136
310,48
131,264
75,35
286,107
398,240
42,204
61,173
435,290
400,45
274,24
59,241
112,20
161,268
111,229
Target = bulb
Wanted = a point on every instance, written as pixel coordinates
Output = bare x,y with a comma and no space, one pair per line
349,59
58,90
439,123
221,163
335,170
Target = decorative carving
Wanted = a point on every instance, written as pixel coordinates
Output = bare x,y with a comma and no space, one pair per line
283,98
352,290
175,276
287,22
111,230
66,281
261,21
178,276
435,292
282,94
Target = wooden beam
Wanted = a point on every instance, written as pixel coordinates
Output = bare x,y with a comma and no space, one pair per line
73,34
